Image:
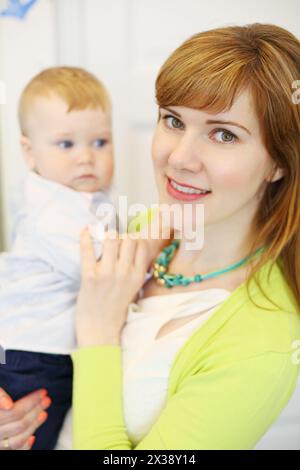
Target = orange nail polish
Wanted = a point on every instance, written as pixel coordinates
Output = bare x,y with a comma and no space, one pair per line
6,403
42,416
31,441
46,402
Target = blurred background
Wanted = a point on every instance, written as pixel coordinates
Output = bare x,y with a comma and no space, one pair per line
124,43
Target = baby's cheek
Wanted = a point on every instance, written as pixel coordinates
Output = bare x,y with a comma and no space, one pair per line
107,169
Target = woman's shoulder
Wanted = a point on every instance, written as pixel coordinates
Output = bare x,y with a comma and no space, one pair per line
241,328
262,318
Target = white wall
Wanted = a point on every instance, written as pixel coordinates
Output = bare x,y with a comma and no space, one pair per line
26,47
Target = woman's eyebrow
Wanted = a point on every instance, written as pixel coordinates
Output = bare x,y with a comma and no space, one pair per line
170,111
211,121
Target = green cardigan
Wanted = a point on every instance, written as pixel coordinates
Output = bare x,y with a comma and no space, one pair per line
228,383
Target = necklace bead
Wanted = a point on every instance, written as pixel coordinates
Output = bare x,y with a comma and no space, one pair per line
161,264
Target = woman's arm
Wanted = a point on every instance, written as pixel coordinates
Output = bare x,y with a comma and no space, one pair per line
226,407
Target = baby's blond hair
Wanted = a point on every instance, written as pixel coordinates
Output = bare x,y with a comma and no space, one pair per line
77,87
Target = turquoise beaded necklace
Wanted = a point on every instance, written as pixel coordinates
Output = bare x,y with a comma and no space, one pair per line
160,268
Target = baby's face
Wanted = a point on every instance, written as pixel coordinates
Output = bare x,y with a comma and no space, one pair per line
74,149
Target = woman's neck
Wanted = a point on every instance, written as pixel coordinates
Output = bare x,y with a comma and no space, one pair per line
219,249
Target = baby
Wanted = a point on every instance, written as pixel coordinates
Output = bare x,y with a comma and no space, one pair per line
65,121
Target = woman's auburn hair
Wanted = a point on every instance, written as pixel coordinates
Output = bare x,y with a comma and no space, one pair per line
207,72
77,87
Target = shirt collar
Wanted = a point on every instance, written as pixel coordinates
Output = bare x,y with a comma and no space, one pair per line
39,192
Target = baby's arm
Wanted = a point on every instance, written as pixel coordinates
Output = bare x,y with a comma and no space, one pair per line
55,238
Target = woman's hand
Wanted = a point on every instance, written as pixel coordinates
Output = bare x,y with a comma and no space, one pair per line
108,286
19,420
157,231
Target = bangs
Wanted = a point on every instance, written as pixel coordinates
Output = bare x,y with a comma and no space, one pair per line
210,79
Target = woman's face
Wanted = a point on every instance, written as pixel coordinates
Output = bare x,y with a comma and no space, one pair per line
192,149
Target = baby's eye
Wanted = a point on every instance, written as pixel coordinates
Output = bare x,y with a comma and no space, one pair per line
172,122
230,138
65,144
99,143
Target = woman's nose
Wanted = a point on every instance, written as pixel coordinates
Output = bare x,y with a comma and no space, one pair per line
186,155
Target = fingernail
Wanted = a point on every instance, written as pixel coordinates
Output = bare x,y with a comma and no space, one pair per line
42,416
46,402
6,403
31,441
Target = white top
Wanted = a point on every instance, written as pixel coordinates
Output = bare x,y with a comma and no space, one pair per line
147,360
40,276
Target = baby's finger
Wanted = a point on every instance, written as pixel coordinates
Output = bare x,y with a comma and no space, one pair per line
87,254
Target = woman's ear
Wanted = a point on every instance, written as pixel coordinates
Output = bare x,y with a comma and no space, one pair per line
276,175
27,151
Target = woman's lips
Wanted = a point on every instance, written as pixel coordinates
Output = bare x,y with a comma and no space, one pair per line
181,196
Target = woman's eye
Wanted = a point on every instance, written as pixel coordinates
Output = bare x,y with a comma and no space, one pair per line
172,122
229,136
65,144
99,143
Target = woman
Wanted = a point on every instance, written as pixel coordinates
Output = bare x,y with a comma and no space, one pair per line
234,374
207,364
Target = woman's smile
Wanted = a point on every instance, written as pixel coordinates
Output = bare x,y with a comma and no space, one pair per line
185,192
